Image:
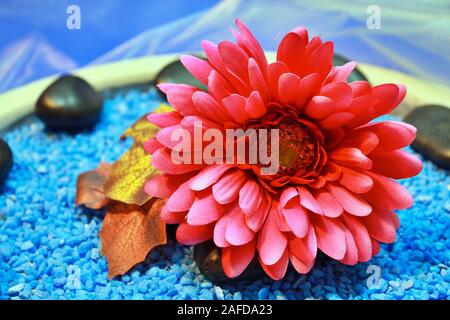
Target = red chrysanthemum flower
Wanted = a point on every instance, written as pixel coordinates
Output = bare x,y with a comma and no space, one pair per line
334,189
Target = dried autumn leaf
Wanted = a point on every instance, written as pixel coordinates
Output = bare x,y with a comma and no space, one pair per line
130,173
90,187
128,234
142,130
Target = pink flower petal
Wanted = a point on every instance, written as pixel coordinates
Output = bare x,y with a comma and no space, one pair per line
165,119
341,73
257,218
208,176
336,120
255,105
330,236
355,181
204,210
218,87
380,226
257,81
395,219
151,145
191,235
235,105
271,241
277,270
308,201
388,194
320,60
212,53
162,186
360,88
164,136
351,253
339,92
237,232
250,196
350,157
296,217
219,231
209,107
235,60
181,199
302,32
252,45
360,235
287,195
309,86
361,104
288,88
330,206
199,68
375,247
274,71
305,248
392,135
228,187
313,45
291,51
281,222
301,266
396,164
161,160
179,97
319,107
350,202
172,217
365,141
387,96
235,259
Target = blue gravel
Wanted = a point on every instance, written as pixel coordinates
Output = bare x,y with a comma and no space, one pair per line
50,250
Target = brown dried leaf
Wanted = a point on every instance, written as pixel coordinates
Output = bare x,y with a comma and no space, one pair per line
90,187
128,234
130,173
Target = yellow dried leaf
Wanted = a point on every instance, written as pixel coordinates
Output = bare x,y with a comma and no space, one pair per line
130,173
143,130
128,176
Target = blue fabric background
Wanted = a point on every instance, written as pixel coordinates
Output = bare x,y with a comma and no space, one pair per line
35,42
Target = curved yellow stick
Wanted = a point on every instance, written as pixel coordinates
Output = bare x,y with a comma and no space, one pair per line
19,102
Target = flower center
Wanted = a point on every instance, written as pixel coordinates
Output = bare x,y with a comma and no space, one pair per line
296,149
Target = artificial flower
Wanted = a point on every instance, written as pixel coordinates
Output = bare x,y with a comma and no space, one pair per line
334,190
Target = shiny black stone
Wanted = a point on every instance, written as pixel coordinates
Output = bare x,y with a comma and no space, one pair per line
6,161
433,133
356,75
69,103
208,258
175,72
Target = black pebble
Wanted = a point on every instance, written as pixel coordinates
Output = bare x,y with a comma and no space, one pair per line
69,103
433,133
6,161
356,75
208,258
175,72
